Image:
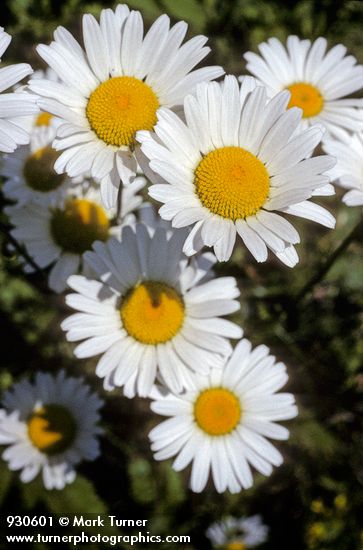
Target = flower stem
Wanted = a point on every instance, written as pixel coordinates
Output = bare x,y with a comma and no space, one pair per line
119,203
328,263
20,249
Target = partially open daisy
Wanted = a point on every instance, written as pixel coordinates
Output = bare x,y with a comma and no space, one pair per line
222,424
13,105
238,534
49,426
29,171
348,171
316,79
115,88
237,159
60,232
148,314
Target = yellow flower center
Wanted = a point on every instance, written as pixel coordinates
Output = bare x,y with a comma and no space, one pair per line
217,411
52,429
307,97
340,502
317,531
120,107
232,183
152,312
81,222
236,546
43,119
39,173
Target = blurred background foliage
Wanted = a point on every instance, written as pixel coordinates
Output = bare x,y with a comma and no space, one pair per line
311,317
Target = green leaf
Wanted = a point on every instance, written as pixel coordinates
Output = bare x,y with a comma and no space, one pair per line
188,10
80,498
175,490
150,8
6,477
313,437
33,493
77,498
143,486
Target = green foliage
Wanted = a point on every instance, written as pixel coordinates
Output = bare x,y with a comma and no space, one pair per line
33,494
74,498
143,485
6,478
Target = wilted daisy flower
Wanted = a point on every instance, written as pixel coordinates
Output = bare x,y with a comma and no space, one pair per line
236,161
222,424
13,105
316,79
115,88
149,313
348,171
59,233
238,534
49,426
29,171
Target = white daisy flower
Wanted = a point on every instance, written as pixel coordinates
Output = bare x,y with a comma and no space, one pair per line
49,426
148,215
236,161
59,233
221,425
150,313
29,171
41,119
238,534
115,88
348,171
316,79
13,105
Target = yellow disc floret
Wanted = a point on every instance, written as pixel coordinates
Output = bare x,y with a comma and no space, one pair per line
52,429
43,119
232,183
120,107
39,172
217,411
152,312
307,97
236,546
81,222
